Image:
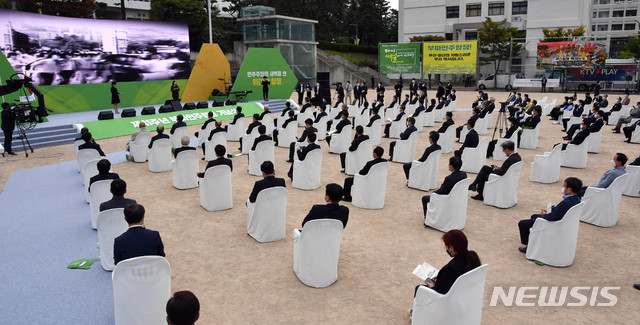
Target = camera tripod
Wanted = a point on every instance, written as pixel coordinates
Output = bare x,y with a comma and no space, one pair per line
23,137
501,122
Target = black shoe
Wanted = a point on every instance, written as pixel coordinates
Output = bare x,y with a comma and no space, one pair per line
523,249
564,130
202,158
290,175
637,286
11,153
478,197
342,171
229,156
627,141
346,198
567,138
472,187
616,131
289,160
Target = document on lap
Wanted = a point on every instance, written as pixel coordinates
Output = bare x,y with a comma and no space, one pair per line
425,270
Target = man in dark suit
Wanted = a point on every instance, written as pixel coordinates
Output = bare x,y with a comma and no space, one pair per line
291,119
90,144
137,241
474,118
340,126
404,135
217,129
185,146
302,152
530,122
508,147
308,129
300,91
440,91
8,124
419,109
307,104
433,140
331,210
577,112
447,122
471,141
221,160
357,140
387,126
262,130
206,123
406,101
580,137
316,93
269,180
160,135
235,117
449,182
357,92
413,89
340,93
118,189
374,116
178,124
344,108
513,127
596,123
104,166
628,131
254,124
318,115
398,89
183,308
348,182
265,111
569,198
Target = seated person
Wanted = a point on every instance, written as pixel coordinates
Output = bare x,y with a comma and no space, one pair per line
137,241
508,148
471,141
512,124
285,112
302,152
291,119
580,137
269,180
344,109
340,126
307,104
210,119
215,130
89,143
576,112
635,113
185,146
160,135
143,130
357,140
635,162
118,188
264,112
449,182
220,150
570,198
387,126
433,140
453,95
448,120
628,131
530,122
308,129
557,111
595,120
262,137
474,118
82,131
348,182
254,124
374,116
332,210
618,162
404,135
319,114
180,123
183,308
432,106
104,167
235,118
419,109
406,100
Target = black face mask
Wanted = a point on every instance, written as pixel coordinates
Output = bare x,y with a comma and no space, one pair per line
448,252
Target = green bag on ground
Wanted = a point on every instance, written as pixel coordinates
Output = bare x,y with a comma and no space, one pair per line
83,263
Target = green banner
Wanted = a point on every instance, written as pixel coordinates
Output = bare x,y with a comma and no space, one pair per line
260,62
128,125
399,58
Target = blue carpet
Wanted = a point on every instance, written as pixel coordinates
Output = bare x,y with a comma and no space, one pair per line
44,226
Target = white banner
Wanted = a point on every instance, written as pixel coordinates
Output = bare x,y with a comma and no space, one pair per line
535,83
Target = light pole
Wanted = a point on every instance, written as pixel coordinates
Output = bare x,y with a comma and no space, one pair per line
209,11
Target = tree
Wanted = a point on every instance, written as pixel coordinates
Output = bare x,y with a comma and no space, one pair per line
496,44
427,38
192,12
67,8
559,34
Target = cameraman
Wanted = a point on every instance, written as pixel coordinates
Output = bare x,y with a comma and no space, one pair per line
8,123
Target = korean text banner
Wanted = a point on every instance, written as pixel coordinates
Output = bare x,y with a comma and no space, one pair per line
265,62
399,58
574,54
450,57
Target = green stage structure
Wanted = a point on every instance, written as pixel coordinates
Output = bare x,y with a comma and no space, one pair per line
260,62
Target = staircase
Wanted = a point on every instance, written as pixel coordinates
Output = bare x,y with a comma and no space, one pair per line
43,136
343,70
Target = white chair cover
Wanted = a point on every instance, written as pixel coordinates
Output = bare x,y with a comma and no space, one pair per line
139,149
203,135
410,109
85,155
545,168
481,126
420,121
267,217
428,118
176,137
90,170
463,134
248,139
287,135
461,305
111,224
529,138
76,144
404,151
160,156
498,154
489,120
340,141
575,156
554,242
210,145
446,139
615,116
601,205
321,126
332,113
448,212
355,160
397,127
452,106
502,191
216,190
264,151
185,168
100,192
306,173
474,158
424,175
267,121
439,114
235,131
632,185
294,105
374,132
361,119
635,135
595,138
141,289
301,117
316,251
369,190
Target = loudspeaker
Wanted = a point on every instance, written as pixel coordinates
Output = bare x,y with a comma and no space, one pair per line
231,101
105,115
165,109
325,84
175,103
217,103
216,92
189,106
128,112
149,110
202,105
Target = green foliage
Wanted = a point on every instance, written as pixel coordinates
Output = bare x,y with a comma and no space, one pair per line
631,48
427,38
67,8
342,47
359,59
192,12
495,43
559,34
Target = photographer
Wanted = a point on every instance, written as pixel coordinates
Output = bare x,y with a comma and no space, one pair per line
8,123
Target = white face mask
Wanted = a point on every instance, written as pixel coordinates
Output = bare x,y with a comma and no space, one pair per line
563,191
613,164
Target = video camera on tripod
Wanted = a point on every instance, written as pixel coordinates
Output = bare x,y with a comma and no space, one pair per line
16,84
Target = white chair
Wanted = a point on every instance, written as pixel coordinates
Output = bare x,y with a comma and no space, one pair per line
420,121
340,141
100,192
111,224
410,109
554,242
264,151
446,139
452,106
85,155
489,120
439,114
545,168
267,217
635,135
398,127
210,145
601,205
139,149
498,154
306,173
248,139
474,158
160,156
301,117
294,105
615,116
267,121
141,289
424,175
428,118
332,113
185,169
404,150
287,135
374,132
216,189
369,190
361,119
595,138
321,126
575,156
448,212
90,170
355,160
203,134
502,191
529,138
480,126
76,144
316,251
546,108
632,185
176,137
461,305
235,131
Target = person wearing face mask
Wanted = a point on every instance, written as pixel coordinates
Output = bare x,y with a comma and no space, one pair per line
570,189
448,183
618,162
512,125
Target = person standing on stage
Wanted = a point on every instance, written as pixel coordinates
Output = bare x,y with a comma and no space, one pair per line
175,90
115,97
8,123
265,88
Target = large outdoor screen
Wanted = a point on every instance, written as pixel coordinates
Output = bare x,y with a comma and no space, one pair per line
57,50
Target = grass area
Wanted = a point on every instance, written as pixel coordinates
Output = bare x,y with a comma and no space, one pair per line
359,59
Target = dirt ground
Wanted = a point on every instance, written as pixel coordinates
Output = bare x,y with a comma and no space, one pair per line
240,281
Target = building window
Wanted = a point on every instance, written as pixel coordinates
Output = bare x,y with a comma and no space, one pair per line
629,26
453,12
594,15
617,13
631,12
616,26
593,28
448,36
519,8
468,36
605,2
496,8
617,46
516,65
603,28
473,10
603,14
